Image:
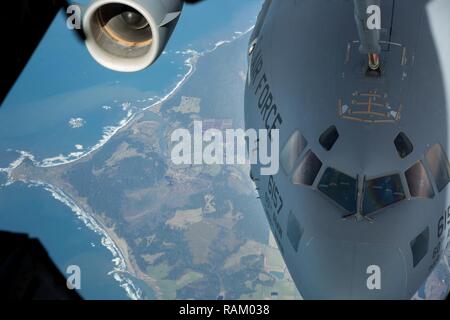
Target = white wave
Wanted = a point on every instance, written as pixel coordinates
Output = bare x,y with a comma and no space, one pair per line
76,123
120,268
16,163
218,44
126,106
108,133
79,147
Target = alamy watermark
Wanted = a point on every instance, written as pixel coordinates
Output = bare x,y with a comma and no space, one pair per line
231,147
74,277
374,19
374,280
74,16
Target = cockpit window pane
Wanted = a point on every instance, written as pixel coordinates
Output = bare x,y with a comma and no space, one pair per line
292,150
340,188
307,171
382,192
403,145
329,138
418,182
437,160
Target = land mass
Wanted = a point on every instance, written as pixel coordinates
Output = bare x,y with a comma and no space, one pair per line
188,232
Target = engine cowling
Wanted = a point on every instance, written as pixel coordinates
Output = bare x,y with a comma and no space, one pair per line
129,35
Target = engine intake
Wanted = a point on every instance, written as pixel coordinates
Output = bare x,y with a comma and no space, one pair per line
129,35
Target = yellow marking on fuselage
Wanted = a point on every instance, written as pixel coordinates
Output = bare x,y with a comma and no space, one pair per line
371,113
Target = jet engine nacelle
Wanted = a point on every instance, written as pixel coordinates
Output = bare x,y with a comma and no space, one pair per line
129,35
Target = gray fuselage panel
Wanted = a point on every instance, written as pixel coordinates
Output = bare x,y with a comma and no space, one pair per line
306,74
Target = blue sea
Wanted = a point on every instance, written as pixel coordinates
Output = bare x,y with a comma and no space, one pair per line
65,105
33,211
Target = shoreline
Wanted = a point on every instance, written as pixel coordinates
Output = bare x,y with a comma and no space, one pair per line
123,264
110,131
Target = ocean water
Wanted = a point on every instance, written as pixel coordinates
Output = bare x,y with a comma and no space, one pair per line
65,105
33,211
63,83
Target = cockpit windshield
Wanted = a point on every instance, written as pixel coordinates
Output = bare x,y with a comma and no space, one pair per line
360,195
439,166
382,192
340,188
418,183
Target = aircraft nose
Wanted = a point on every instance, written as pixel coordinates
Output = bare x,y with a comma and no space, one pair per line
334,269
